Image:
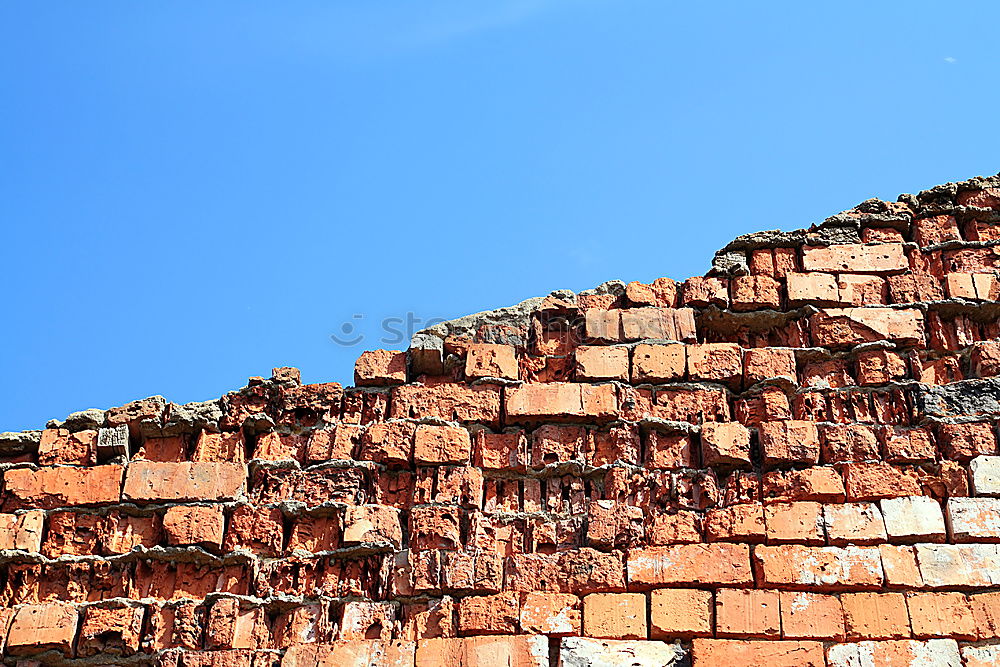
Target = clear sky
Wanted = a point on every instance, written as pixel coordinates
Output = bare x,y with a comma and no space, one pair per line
194,192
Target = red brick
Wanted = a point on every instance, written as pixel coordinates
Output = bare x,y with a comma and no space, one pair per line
674,324
615,615
815,288
985,358
858,290
669,450
661,292
347,653
151,481
906,445
715,362
739,523
370,524
339,443
556,444
935,229
822,484
22,531
900,566
755,293
941,615
846,327
501,451
603,325
598,362
48,488
769,363
110,629
612,524
855,258
827,374
390,443
895,653
561,401
791,441
481,652
380,368
701,292
725,443
811,616
880,367
821,568
43,627
871,481
194,525
435,445
479,403
227,446
257,529
848,442
762,653
747,613
435,527
489,614
964,442
491,360
854,523
232,626
659,363
59,446
680,613
273,446
168,448
705,564
553,614
875,615
798,522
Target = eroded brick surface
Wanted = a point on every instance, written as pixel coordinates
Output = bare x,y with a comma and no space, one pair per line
793,460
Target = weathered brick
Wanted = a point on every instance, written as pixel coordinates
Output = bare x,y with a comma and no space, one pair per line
875,615
718,563
738,523
964,442
985,475
854,523
913,519
855,258
680,612
715,362
380,368
769,363
42,627
48,488
761,653
941,615
598,362
896,653
811,616
561,401
823,484
825,568
434,445
747,613
615,615
22,531
499,651
187,481
659,363
792,441
797,522
846,327
477,403
194,525
110,629
59,446
974,519
553,614
491,360
725,443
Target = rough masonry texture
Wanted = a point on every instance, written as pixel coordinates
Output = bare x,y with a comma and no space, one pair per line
792,461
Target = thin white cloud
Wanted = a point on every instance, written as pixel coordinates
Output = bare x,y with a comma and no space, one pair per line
950,60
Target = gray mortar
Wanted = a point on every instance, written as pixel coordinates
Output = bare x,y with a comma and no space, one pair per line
965,398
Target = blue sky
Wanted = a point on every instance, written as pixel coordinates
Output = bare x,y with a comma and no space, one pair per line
194,192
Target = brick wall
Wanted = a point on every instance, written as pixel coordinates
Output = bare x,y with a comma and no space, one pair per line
791,461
